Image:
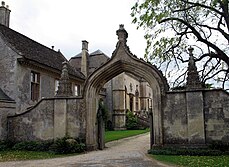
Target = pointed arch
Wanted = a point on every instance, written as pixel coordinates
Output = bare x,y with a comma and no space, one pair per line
123,61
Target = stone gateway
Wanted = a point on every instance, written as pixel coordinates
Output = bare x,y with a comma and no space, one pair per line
44,96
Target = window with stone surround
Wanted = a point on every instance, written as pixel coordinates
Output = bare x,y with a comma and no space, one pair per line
35,86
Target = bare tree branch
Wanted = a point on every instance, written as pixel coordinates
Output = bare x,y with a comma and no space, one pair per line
220,53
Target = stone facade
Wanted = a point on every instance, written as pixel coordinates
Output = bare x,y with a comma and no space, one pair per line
129,93
29,72
15,79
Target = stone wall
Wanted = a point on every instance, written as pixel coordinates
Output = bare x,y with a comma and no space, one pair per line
175,118
6,108
8,64
196,117
50,118
23,89
216,110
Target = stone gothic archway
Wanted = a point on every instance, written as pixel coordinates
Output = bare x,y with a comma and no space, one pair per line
123,60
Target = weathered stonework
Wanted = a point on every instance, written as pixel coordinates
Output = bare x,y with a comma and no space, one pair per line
216,110
65,86
51,118
6,108
196,117
191,117
175,119
123,60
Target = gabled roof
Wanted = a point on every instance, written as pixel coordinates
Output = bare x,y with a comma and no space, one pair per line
34,51
78,55
97,52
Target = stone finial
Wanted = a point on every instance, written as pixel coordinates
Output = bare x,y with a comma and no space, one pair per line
65,86
193,80
122,33
3,3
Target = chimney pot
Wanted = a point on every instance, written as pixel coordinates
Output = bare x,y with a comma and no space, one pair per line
4,15
84,45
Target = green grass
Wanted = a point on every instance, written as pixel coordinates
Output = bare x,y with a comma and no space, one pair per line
194,161
28,155
116,135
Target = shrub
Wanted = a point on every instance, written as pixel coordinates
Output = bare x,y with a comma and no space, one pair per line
6,145
66,145
219,145
33,145
131,121
60,146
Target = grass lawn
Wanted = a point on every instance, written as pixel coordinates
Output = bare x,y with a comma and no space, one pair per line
116,135
194,161
26,155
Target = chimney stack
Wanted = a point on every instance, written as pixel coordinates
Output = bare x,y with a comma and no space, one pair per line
4,14
84,58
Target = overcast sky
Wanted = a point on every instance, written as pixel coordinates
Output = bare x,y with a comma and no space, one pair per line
64,24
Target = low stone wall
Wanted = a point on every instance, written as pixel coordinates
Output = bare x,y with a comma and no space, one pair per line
6,108
50,118
196,117
216,110
175,118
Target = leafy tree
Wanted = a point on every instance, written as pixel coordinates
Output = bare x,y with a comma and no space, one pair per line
172,26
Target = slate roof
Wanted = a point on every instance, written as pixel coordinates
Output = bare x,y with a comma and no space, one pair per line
97,52
78,55
35,51
3,96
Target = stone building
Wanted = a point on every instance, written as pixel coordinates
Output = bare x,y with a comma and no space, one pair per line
122,93
43,96
29,70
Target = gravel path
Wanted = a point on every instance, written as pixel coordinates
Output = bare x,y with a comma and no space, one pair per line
130,152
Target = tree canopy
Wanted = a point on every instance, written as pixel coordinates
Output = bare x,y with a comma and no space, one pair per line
172,26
